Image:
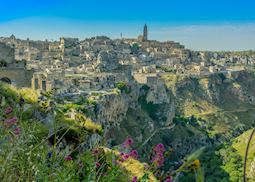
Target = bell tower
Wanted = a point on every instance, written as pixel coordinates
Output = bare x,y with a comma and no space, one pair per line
145,33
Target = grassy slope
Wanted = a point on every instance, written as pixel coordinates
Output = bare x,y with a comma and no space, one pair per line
240,144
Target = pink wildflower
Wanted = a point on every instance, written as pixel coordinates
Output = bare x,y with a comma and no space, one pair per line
134,154
160,148
98,164
68,158
8,110
134,179
128,142
11,121
122,153
16,131
158,159
95,152
168,179
125,156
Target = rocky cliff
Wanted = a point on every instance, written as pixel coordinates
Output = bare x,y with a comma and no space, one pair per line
183,112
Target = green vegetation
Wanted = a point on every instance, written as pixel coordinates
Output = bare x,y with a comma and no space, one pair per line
239,144
221,111
222,76
33,151
225,161
221,162
13,94
200,147
123,87
145,88
135,48
73,106
191,120
91,102
149,107
166,69
3,63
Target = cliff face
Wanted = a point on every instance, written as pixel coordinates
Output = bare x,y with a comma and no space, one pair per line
138,113
224,103
182,112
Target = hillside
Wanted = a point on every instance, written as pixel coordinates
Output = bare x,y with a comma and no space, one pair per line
196,120
222,104
34,147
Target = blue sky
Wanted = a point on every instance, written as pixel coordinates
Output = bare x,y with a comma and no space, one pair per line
198,24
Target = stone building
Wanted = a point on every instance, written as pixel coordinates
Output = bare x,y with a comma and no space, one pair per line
18,77
70,47
13,72
44,81
146,78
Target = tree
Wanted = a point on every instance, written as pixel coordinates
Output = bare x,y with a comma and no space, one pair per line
3,63
135,48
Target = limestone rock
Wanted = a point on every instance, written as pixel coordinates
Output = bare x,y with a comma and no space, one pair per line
107,61
158,94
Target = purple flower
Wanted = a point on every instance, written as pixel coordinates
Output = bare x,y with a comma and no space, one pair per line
95,152
122,153
68,158
134,179
16,131
98,164
160,148
158,159
8,110
160,155
125,156
128,142
11,121
168,179
134,154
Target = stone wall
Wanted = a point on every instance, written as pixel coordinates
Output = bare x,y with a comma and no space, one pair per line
140,78
146,78
18,76
6,53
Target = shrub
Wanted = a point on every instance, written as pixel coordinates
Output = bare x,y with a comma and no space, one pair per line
123,87
135,49
3,63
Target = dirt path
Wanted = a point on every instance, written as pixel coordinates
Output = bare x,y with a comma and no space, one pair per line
155,132
232,111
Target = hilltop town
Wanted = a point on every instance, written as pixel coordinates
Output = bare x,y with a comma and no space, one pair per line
98,63
156,92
